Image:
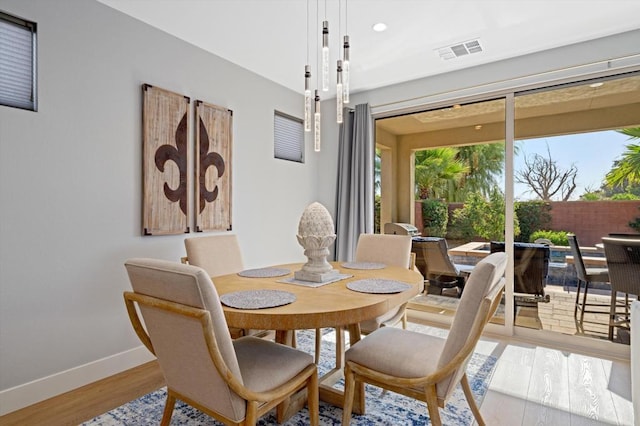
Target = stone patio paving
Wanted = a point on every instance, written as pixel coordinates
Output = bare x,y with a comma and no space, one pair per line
557,315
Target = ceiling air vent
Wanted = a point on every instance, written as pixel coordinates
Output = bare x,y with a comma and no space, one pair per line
460,49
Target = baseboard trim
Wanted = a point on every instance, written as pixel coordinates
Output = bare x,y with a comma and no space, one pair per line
21,396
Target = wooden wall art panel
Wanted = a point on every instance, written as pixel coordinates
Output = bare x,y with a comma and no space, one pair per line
165,159
213,167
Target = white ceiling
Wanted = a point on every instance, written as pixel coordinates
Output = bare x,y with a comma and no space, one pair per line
269,37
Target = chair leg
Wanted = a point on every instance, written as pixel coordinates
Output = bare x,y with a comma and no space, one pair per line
471,400
404,320
575,309
612,313
432,405
251,416
584,300
313,399
168,409
349,387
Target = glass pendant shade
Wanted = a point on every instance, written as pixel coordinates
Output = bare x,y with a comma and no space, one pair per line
307,99
325,56
345,70
316,124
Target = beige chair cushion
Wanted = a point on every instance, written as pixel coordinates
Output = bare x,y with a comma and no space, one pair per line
397,352
391,317
265,364
216,254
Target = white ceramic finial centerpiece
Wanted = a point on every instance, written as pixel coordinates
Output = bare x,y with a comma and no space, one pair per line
315,234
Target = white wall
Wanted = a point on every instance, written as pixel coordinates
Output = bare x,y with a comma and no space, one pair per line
70,188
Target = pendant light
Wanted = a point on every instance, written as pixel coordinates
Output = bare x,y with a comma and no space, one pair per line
316,123
346,55
339,94
307,83
325,54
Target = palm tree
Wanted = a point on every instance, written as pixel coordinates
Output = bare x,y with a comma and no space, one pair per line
626,171
434,169
485,164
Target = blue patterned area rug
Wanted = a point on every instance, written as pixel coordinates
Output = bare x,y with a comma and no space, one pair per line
382,408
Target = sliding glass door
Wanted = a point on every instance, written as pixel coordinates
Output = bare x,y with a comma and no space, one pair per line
444,171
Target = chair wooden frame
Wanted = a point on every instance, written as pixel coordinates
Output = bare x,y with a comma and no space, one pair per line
424,388
258,403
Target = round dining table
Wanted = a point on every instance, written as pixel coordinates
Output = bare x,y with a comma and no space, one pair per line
328,305
315,307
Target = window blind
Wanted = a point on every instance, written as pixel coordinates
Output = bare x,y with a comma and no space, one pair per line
288,138
17,62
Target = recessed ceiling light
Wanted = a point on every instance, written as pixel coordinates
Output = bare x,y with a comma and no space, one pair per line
478,126
379,27
596,85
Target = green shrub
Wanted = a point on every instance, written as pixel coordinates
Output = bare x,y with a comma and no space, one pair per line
625,196
558,238
482,218
435,216
532,216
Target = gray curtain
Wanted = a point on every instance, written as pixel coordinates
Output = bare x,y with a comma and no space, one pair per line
355,194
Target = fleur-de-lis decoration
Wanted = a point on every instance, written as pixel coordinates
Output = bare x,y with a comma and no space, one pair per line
208,159
177,154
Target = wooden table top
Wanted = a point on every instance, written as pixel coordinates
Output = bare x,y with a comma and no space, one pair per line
330,305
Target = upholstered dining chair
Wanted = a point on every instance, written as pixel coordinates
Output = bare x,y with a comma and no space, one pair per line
623,261
218,254
425,367
233,381
392,250
389,249
585,276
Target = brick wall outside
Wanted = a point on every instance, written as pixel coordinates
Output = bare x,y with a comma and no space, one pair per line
589,220
592,220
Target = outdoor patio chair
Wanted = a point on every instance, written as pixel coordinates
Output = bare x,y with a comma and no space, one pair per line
623,261
422,366
440,270
585,276
183,325
530,270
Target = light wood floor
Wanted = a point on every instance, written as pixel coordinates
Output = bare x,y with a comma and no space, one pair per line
531,385
87,402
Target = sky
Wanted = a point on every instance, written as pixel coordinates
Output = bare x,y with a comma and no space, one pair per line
592,153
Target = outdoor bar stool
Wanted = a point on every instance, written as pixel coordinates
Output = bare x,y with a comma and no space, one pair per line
586,276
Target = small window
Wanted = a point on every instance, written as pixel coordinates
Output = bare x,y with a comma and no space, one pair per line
17,62
288,137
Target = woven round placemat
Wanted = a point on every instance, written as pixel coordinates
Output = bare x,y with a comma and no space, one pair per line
363,265
378,286
257,299
264,272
